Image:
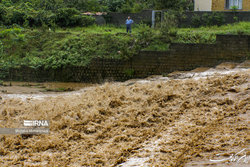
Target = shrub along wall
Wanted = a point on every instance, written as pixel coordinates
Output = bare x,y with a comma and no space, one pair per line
180,57
186,19
120,18
200,18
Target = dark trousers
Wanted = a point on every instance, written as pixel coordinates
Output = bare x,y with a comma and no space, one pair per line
129,28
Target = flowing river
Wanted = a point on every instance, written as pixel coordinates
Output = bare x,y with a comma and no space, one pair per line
194,118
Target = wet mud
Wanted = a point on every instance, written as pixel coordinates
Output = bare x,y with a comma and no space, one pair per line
184,119
40,88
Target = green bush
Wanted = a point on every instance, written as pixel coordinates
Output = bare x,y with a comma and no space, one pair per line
7,3
196,20
215,19
20,14
206,19
15,16
87,20
48,5
27,15
126,9
145,35
3,13
195,37
129,72
69,17
157,45
114,5
168,26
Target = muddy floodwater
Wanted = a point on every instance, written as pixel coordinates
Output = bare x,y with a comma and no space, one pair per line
12,87
195,118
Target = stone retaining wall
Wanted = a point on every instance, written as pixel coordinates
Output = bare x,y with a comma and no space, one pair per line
228,48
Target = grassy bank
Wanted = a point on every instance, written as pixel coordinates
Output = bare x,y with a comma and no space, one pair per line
208,34
67,47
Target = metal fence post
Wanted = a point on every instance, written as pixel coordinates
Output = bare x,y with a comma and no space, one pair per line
153,18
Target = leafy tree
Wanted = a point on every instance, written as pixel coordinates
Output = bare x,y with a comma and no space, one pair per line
114,5
48,4
168,27
174,4
71,17
1,49
85,5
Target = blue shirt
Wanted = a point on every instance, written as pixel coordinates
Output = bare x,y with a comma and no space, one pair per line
129,22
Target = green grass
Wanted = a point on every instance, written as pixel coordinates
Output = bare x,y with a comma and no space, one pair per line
63,48
69,47
95,29
225,29
157,46
208,34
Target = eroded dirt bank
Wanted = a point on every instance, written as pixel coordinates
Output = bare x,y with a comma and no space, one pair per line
40,88
179,122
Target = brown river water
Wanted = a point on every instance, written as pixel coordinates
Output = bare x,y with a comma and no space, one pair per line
41,88
194,118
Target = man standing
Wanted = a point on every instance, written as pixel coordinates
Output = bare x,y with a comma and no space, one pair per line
128,24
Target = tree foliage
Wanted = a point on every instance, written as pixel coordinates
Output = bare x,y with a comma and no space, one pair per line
67,13
53,50
38,12
174,4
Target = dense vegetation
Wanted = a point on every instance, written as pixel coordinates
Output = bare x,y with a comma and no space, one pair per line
34,13
104,5
77,46
54,34
208,34
40,33
68,13
66,48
